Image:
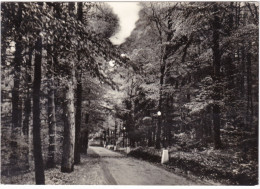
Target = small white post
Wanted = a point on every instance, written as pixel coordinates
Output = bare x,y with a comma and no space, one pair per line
165,156
128,150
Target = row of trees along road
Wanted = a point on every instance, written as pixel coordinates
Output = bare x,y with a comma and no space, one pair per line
198,66
53,57
195,62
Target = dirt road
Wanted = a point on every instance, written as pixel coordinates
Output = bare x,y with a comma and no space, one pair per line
116,169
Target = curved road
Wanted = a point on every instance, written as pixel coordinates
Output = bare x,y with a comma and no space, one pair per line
106,167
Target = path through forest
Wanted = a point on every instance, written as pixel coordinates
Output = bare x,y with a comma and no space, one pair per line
105,167
119,169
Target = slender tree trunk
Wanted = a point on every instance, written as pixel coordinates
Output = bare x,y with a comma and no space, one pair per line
149,137
154,134
242,82
167,129
216,126
80,11
16,112
37,148
238,14
78,94
170,136
242,86
67,164
16,125
115,132
84,143
159,128
249,93
17,70
216,78
27,103
133,118
51,113
78,119
84,136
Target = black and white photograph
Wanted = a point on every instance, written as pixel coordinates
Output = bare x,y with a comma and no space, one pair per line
130,93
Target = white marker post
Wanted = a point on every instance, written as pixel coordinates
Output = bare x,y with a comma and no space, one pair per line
165,156
128,150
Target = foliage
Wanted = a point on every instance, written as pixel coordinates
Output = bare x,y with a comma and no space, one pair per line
195,62
67,43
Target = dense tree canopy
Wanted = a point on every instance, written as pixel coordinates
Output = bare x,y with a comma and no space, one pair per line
186,78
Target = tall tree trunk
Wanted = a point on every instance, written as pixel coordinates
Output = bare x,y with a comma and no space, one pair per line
51,113
16,112
170,136
167,120
154,132
242,84
249,93
27,103
4,31
115,132
52,63
17,70
15,93
216,79
78,95
159,120
132,118
149,137
78,119
37,148
87,132
80,11
84,136
67,164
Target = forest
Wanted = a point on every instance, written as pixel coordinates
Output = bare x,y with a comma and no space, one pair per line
186,80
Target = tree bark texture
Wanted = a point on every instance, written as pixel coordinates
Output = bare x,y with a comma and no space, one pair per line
37,148
17,63
78,94
27,103
250,112
216,79
242,83
67,164
84,136
51,114
78,119
16,111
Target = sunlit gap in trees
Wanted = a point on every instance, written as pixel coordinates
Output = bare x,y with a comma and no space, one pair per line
127,13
